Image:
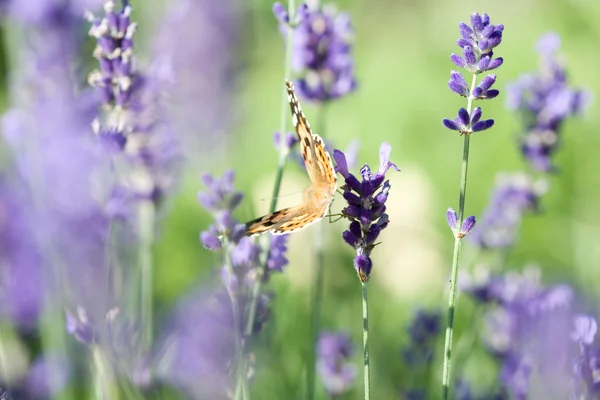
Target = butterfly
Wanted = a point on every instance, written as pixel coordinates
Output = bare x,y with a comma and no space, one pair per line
317,196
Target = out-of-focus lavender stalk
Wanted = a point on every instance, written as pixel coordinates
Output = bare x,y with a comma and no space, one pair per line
477,43
285,18
134,127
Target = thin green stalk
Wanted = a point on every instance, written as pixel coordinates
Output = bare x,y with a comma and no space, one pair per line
241,387
4,360
317,287
146,218
456,257
366,358
104,382
283,156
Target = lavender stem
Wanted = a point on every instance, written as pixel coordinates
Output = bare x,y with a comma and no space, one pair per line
103,377
283,156
366,358
456,256
146,215
241,387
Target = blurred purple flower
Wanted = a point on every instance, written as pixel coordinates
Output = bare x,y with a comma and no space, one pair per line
514,196
321,51
544,100
277,259
423,331
47,377
21,289
477,42
585,329
201,93
366,207
526,326
333,353
240,252
197,345
63,170
284,143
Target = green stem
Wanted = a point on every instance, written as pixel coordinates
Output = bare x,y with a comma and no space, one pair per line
285,109
103,377
3,360
366,358
146,216
241,387
456,257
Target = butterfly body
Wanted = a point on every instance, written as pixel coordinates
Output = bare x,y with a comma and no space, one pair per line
317,196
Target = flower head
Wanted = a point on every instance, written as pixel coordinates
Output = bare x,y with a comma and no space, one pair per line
514,196
334,351
366,207
544,100
321,51
423,330
132,123
477,42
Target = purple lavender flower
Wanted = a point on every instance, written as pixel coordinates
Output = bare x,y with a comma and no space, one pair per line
284,143
21,288
513,196
466,227
197,345
544,100
477,42
423,331
201,94
48,375
585,329
321,51
48,131
366,207
133,122
240,252
526,327
333,353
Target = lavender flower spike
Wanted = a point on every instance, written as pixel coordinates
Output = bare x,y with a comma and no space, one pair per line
477,42
334,350
544,100
366,207
321,51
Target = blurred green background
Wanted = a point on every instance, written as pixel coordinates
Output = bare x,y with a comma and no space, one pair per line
402,63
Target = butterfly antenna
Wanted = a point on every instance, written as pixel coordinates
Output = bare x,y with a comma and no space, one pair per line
280,196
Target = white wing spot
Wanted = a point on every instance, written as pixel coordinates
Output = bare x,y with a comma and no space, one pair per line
294,119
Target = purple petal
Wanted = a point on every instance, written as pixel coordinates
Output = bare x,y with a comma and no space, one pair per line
469,55
585,329
463,117
465,31
458,60
280,13
452,219
467,225
475,115
482,125
341,165
450,124
384,159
